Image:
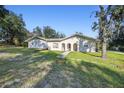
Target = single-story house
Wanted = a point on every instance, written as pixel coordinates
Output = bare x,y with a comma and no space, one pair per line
2,40
75,42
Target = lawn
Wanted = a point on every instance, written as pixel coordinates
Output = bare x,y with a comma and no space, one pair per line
23,67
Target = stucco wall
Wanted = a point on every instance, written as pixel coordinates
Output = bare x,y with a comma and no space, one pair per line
50,46
90,45
80,45
70,41
37,43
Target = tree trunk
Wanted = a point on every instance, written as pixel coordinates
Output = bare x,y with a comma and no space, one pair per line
11,39
104,50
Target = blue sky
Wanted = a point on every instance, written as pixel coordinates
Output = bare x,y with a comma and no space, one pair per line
65,19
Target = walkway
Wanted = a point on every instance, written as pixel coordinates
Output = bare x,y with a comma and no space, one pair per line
64,54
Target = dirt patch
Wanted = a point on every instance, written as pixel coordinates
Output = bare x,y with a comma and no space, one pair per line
4,54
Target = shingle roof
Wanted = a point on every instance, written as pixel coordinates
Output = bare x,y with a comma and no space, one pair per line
61,39
29,39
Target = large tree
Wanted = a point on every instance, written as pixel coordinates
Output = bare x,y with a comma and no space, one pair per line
109,24
104,29
3,13
13,29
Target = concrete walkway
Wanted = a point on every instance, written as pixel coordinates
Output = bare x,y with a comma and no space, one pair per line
63,55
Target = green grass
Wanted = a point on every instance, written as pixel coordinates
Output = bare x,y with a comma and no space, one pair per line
23,67
95,72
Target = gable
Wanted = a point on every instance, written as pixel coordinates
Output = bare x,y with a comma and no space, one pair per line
35,37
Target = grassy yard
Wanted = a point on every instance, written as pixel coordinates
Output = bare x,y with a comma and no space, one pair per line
23,67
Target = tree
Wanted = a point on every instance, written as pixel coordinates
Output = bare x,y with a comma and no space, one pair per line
109,25
49,32
59,35
3,12
62,35
117,40
117,20
37,31
13,27
102,25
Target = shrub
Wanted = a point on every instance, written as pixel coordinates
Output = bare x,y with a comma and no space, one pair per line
25,44
16,41
121,49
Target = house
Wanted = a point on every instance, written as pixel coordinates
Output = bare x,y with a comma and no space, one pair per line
75,42
2,40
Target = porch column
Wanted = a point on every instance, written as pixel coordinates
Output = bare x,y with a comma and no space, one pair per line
78,47
65,47
72,47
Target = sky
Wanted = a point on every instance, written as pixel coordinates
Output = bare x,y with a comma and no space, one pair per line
65,19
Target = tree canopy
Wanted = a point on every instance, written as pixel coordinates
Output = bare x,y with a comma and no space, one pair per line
109,25
47,32
117,20
12,28
37,31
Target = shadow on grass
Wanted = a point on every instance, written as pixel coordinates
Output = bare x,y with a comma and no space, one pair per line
43,69
94,55
24,70
86,74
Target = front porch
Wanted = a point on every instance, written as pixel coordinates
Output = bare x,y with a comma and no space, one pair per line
70,47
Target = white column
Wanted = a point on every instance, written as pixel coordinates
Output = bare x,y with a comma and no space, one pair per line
78,47
71,47
65,47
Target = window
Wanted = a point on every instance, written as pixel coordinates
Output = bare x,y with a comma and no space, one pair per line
55,45
85,45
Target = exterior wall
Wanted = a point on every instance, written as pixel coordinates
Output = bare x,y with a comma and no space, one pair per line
37,43
91,47
70,44
71,41
50,46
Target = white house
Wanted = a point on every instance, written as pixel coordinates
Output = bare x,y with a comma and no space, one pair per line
75,42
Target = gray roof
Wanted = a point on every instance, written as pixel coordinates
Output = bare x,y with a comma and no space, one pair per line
61,39
29,39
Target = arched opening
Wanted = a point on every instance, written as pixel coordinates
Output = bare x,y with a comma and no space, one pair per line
63,46
69,47
75,47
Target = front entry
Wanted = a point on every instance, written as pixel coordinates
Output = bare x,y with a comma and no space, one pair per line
69,47
75,47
